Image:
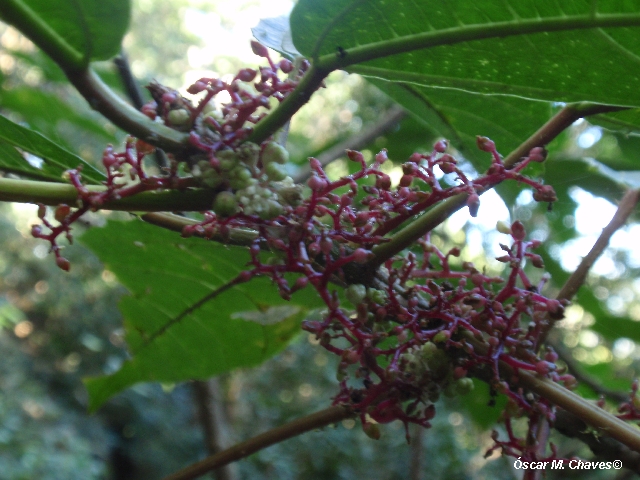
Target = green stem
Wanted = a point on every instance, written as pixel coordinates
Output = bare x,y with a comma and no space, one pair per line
438,214
311,81
408,43
625,208
590,413
123,115
47,193
323,65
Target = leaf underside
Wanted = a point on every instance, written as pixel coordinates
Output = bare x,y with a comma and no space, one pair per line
166,275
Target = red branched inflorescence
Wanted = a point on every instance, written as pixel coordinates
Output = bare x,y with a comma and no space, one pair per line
408,328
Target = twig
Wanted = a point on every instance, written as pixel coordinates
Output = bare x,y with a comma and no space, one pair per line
577,278
169,221
606,423
438,214
599,419
209,404
282,114
389,120
49,193
601,445
134,92
415,468
625,209
123,115
241,450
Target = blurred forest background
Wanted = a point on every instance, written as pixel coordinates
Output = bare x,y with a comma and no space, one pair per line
57,328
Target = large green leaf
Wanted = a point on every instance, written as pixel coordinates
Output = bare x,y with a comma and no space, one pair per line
72,32
28,103
481,68
55,159
568,51
172,340
461,116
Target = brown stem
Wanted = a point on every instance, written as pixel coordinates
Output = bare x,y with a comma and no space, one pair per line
602,446
438,214
602,421
417,440
209,404
577,278
241,450
134,92
625,209
591,414
123,115
389,120
237,236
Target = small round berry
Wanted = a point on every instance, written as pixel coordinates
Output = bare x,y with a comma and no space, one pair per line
440,146
485,144
316,183
61,212
537,154
360,255
517,231
285,65
246,75
63,263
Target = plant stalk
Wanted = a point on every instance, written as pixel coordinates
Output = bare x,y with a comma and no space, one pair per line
241,450
439,213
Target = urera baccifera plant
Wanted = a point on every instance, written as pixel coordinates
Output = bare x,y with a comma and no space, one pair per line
410,322
410,328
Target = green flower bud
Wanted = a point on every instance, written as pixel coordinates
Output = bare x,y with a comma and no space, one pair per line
428,350
275,172
442,336
356,293
464,385
248,154
178,117
211,178
270,209
291,195
225,204
228,160
377,296
274,153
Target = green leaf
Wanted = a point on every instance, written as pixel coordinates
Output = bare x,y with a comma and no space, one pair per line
55,159
72,32
483,409
609,326
29,102
461,116
172,337
558,51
